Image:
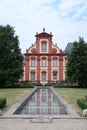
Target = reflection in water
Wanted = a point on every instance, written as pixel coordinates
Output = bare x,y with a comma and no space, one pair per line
43,95
43,102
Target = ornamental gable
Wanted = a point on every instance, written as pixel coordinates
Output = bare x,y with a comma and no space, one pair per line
44,44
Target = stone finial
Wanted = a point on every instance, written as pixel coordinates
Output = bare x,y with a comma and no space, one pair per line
26,50
43,29
55,44
36,33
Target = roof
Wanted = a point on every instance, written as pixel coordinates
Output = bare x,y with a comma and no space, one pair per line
43,34
68,48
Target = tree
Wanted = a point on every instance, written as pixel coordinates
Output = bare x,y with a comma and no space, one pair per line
77,63
11,59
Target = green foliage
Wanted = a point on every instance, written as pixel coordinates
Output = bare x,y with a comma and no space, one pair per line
12,86
67,86
2,102
82,103
56,86
11,59
77,63
28,86
86,97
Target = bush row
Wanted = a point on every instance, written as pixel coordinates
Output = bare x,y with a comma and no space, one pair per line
2,102
82,103
27,86
19,86
57,86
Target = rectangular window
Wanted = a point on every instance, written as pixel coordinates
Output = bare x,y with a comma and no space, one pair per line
32,76
44,47
55,62
32,62
54,77
43,62
43,76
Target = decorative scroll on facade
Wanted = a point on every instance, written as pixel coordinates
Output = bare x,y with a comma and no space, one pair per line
44,61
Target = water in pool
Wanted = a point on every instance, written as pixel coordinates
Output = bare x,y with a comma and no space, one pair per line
42,102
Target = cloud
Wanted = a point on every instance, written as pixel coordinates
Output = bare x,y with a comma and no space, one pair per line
66,19
72,9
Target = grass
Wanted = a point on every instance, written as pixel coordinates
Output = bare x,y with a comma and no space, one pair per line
13,96
71,95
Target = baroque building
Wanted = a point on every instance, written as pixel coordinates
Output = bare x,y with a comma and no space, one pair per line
45,62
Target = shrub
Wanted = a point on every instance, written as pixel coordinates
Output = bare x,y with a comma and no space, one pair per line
56,86
86,97
27,86
82,103
20,86
2,102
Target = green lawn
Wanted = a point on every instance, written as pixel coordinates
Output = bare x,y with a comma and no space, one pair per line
13,96
71,95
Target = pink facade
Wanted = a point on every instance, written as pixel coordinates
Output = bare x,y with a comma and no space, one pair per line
44,61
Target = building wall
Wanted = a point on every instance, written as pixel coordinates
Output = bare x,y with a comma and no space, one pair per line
52,53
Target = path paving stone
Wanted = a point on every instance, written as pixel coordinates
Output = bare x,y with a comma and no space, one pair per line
56,124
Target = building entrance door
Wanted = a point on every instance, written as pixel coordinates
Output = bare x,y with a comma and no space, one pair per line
55,77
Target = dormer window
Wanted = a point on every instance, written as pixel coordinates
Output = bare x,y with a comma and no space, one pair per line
44,47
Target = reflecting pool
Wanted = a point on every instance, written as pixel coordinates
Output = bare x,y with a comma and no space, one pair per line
42,102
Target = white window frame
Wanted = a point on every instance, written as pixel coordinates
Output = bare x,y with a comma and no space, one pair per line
32,76
32,62
44,47
43,76
54,77
43,63
54,62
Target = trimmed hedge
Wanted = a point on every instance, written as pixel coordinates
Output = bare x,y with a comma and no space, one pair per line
82,103
2,102
27,86
19,86
66,86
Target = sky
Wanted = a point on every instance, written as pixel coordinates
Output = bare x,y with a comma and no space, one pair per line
66,19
